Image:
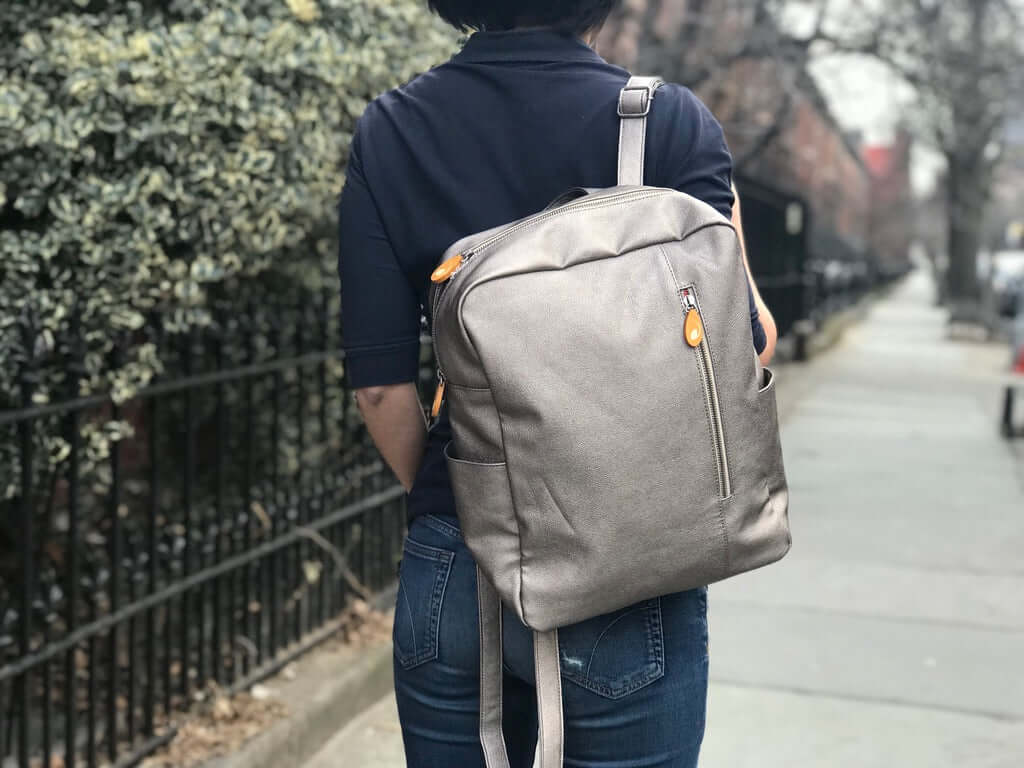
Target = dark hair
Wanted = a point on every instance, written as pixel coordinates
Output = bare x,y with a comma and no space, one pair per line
575,16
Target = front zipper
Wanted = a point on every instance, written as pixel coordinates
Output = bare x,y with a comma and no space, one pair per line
435,409
697,339
496,238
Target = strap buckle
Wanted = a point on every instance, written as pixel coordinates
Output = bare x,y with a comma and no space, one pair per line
635,101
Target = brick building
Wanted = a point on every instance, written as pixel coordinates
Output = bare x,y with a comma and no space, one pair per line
892,205
776,119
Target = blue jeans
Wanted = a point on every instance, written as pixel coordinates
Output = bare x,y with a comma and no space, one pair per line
637,678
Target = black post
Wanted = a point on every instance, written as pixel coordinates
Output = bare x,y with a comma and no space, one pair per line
253,573
274,506
76,370
186,511
132,682
27,545
91,717
220,524
114,511
1007,425
47,695
149,708
324,311
302,548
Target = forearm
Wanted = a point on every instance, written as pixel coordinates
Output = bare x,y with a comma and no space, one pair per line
771,331
396,423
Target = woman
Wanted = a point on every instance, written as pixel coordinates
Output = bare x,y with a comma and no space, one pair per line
525,111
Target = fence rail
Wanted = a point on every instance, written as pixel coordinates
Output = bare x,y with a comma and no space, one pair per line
202,530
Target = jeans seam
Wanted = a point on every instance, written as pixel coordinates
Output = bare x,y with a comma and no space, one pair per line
653,669
612,623
426,551
408,610
442,571
440,526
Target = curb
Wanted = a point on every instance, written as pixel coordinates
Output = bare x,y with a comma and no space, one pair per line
331,687
831,332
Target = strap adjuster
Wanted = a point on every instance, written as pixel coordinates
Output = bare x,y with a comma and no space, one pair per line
636,101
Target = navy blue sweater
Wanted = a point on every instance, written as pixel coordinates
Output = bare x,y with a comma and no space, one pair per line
494,134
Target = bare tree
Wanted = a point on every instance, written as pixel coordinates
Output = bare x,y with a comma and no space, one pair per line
736,53
749,64
965,60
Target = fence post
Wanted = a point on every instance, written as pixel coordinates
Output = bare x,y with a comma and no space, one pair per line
274,506
186,512
113,509
253,624
323,310
27,544
304,589
149,708
76,371
220,519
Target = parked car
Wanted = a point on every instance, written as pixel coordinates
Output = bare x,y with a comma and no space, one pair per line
1005,275
1013,310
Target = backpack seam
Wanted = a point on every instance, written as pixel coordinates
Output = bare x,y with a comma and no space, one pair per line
504,452
473,285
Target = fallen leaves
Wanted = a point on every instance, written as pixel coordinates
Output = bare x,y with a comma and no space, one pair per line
221,726
363,626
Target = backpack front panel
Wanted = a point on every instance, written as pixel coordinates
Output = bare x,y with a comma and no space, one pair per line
587,394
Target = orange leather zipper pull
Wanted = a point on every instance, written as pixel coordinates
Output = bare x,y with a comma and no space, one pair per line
438,398
446,269
693,328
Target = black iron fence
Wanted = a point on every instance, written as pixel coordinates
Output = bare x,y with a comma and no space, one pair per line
804,272
776,228
213,524
206,528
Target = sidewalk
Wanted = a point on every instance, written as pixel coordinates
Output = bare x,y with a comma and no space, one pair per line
893,634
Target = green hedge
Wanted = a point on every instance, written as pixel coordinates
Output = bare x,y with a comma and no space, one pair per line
155,156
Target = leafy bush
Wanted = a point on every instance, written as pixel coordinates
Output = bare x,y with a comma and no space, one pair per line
156,156
169,173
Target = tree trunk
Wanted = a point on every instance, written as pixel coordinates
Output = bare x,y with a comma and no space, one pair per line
968,177
965,210
962,278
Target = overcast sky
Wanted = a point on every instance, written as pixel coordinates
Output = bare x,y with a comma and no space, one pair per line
865,96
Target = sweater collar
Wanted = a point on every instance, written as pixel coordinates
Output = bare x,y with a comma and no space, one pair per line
521,45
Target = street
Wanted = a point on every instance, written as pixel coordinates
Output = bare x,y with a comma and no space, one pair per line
893,633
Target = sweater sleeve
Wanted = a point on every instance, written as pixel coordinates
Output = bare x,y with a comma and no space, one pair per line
379,308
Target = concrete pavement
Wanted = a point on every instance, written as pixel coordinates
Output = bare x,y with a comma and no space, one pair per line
893,634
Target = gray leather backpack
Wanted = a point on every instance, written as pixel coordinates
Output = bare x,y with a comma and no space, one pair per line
614,435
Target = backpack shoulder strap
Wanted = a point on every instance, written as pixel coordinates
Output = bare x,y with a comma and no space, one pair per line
492,738
634,105
548,679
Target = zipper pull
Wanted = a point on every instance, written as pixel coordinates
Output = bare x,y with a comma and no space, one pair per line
693,327
438,395
446,269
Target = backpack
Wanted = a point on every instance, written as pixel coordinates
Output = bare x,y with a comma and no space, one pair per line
615,437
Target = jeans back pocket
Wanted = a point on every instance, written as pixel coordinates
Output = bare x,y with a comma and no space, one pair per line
616,653
422,578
